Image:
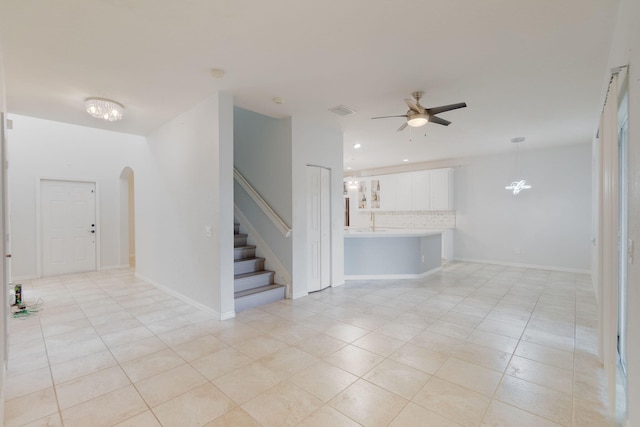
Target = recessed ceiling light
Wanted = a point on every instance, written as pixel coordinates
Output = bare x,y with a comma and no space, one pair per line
405,160
357,145
278,100
348,168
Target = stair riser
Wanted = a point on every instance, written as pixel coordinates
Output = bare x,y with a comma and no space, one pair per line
239,240
241,253
245,283
249,266
255,300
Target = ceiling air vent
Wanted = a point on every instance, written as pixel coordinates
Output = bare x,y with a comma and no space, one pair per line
342,110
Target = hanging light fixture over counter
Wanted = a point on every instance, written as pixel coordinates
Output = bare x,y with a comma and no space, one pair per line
104,109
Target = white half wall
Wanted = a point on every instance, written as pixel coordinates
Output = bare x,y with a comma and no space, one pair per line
180,221
548,226
46,149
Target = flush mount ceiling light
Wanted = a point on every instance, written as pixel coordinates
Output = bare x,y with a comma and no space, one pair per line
104,109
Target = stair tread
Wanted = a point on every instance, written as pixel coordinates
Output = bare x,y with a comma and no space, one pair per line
256,258
253,273
257,290
240,234
245,247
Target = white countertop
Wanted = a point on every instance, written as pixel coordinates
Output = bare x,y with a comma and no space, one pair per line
390,232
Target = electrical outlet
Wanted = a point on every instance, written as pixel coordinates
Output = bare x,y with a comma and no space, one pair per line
208,231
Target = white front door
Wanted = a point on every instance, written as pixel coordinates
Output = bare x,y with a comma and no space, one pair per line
318,228
68,221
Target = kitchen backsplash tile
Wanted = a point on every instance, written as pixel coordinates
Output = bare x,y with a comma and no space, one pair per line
408,219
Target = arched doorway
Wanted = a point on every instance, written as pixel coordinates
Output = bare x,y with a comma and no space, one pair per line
127,219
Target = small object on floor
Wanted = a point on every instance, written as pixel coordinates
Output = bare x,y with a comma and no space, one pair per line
18,290
23,311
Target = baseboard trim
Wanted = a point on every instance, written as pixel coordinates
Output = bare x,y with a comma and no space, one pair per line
115,267
21,278
182,297
228,315
391,276
523,265
300,295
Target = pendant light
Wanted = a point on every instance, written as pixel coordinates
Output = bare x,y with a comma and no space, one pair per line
519,183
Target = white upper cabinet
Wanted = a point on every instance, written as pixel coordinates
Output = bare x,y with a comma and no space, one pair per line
441,197
421,191
395,192
427,190
404,192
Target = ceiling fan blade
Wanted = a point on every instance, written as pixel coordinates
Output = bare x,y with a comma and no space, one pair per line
443,108
413,105
386,117
404,125
438,120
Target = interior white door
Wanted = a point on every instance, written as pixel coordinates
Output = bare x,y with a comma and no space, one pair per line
68,226
318,228
325,228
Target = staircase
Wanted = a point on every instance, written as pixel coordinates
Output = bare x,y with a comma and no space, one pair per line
253,285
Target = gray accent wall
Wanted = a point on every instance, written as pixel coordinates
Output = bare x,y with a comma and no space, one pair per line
262,154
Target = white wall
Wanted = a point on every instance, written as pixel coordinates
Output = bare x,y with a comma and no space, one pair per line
179,190
626,51
4,304
548,226
320,145
45,149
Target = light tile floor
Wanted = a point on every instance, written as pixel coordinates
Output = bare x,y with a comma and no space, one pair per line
473,345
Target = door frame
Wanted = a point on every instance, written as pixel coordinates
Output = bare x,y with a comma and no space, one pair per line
38,227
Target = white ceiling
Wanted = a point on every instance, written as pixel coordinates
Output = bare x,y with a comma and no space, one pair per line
532,68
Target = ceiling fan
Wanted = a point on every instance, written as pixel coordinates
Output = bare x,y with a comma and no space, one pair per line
419,116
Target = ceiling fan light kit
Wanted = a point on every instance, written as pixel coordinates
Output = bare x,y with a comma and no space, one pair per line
418,116
418,120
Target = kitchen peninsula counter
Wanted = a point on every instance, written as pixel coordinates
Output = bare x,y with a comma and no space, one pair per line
388,253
